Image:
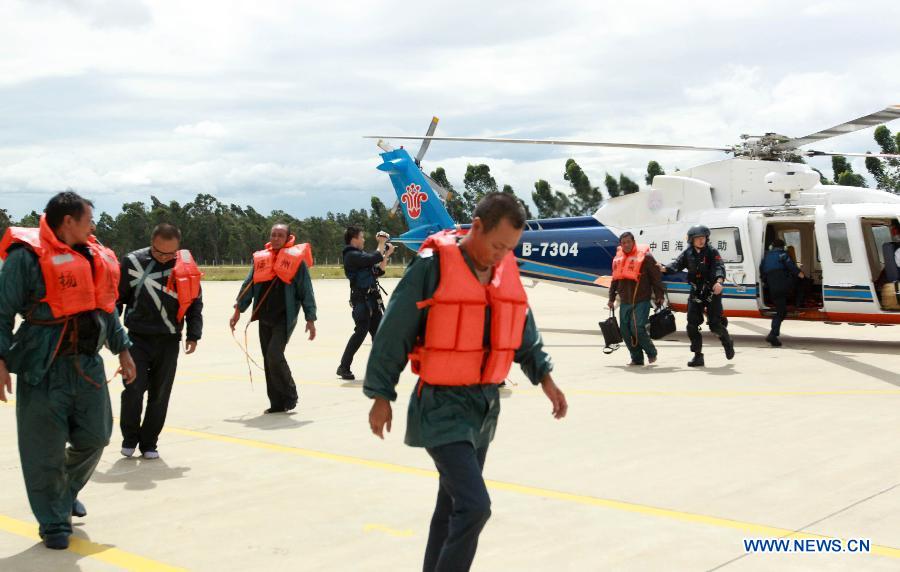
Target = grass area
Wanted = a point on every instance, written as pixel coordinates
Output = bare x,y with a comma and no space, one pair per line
319,271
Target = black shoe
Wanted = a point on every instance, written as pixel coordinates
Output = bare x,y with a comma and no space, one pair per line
78,509
697,361
275,410
57,541
729,349
773,341
345,373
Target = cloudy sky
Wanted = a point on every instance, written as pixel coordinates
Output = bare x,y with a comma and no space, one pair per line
264,102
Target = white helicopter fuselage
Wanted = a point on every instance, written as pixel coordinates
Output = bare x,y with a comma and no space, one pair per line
834,233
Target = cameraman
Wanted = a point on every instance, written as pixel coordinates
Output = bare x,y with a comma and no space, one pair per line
362,269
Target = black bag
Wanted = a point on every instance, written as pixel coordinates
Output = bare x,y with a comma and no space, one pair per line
612,335
662,322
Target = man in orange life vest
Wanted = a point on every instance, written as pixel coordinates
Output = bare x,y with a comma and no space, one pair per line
63,283
636,279
278,285
160,292
461,315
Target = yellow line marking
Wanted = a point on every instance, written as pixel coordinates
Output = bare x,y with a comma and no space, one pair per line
746,527
406,533
102,552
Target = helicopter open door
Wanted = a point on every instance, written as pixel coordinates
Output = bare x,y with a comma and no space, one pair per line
799,236
883,271
848,287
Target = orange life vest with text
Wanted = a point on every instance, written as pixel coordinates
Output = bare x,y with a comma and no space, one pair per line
452,351
628,266
73,285
185,281
283,263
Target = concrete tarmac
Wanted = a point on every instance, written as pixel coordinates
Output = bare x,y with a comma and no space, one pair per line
655,468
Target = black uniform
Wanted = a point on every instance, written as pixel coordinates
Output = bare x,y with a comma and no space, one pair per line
779,273
151,312
704,269
362,270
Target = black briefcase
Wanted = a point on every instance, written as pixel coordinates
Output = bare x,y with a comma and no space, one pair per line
662,323
612,335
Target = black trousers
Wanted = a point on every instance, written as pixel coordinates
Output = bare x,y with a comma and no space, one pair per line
779,300
279,381
713,318
463,507
156,359
366,317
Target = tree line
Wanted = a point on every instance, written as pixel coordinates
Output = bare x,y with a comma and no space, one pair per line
220,233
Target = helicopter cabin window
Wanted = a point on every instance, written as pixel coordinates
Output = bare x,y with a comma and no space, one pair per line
840,246
728,242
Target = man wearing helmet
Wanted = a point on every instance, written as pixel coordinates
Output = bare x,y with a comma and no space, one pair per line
705,274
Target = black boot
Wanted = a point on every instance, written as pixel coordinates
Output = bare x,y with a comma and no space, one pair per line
773,340
697,361
729,348
78,509
345,373
57,541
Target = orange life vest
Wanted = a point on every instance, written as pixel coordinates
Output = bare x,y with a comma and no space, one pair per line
452,352
628,266
72,285
185,280
284,263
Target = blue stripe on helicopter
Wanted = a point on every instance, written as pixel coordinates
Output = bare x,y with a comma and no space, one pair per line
544,271
848,294
744,291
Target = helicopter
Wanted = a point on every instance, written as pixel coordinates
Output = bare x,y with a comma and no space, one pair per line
836,234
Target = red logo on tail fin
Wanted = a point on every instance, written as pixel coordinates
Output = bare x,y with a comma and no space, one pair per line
413,199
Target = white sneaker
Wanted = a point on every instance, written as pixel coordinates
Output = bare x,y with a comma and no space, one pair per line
151,455
127,451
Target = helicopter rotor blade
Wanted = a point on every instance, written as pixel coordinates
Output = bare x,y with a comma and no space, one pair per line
883,116
835,154
426,142
555,142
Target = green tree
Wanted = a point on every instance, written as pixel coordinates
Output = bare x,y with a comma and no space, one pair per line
822,178
478,182
653,169
627,186
549,203
454,202
886,172
32,219
843,173
612,186
507,189
586,198
5,222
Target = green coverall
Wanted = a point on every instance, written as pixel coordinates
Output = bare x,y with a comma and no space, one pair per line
55,404
440,415
299,292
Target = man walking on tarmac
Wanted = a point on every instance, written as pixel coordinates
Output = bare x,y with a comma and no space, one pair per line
636,279
706,275
278,285
779,273
63,283
362,269
461,314
160,291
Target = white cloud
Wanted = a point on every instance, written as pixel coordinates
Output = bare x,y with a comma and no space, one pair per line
203,129
264,102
